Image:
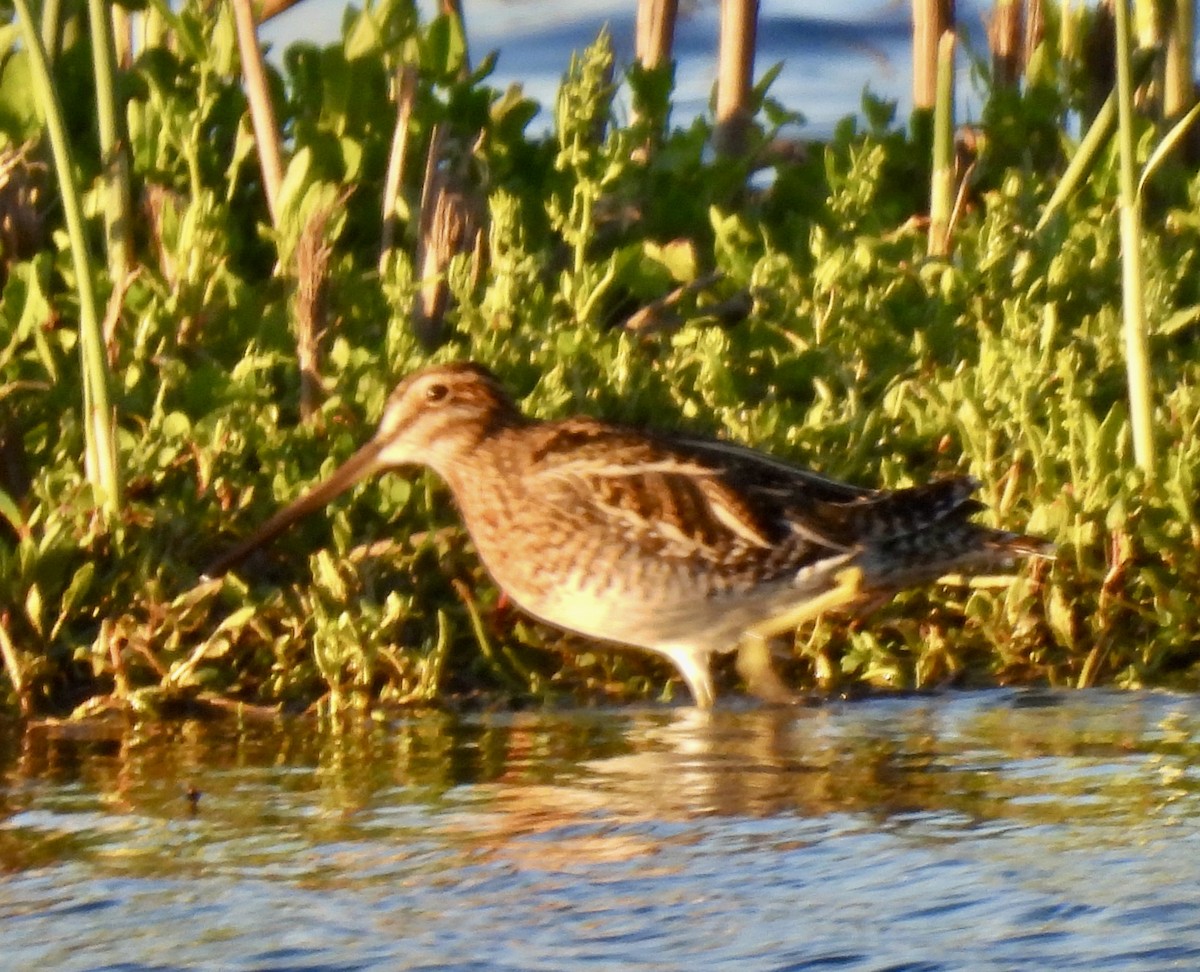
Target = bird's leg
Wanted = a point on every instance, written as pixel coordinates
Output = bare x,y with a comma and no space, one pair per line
754,652
693,666
754,665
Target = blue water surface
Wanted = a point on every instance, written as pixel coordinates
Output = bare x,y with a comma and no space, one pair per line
1000,830
830,53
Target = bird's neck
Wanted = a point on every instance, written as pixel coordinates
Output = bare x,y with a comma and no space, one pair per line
479,456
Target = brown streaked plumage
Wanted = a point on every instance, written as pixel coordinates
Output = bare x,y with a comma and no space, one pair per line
684,547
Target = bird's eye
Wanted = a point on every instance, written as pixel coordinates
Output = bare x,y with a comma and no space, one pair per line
435,393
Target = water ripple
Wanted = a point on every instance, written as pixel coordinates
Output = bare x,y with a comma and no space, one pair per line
989,831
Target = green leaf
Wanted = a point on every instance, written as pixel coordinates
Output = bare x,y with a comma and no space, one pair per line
1180,320
75,592
20,119
25,287
352,156
12,513
1163,149
34,608
678,257
176,425
443,48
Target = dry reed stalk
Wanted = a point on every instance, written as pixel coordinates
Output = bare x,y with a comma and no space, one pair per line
155,199
655,31
1179,85
931,19
313,252
262,112
450,222
655,37
661,315
1098,52
122,37
1035,27
112,314
735,74
406,94
1006,38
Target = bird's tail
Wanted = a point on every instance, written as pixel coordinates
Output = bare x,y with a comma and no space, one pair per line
1017,545
954,546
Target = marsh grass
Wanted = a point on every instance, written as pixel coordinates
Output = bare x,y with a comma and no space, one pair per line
806,319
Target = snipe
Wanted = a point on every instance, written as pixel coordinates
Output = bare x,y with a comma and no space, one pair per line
680,546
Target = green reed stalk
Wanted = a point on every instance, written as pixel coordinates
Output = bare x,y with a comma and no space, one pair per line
1097,136
1068,40
941,190
1094,141
1174,138
51,27
100,442
1137,364
117,205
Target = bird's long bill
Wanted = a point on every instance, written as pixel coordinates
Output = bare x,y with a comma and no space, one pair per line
358,466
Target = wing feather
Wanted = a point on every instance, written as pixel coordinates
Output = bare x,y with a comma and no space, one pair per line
689,496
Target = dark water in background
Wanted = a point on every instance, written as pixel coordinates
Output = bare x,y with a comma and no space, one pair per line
830,52
997,830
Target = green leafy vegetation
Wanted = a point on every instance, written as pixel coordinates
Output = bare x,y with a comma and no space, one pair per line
620,270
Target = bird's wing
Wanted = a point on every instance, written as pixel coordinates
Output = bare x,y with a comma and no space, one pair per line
775,474
837,513
684,496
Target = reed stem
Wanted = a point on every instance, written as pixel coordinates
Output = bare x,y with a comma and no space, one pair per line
941,191
51,28
931,19
655,31
405,84
115,162
1006,37
735,74
100,454
1141,406
262,112
1086,155
1179,87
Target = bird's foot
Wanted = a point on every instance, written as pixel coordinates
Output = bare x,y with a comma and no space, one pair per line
758,672
754,652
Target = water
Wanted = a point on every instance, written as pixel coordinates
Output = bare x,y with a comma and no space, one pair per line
998,830
829,53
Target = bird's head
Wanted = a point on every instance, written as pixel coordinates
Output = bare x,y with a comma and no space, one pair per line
435,417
